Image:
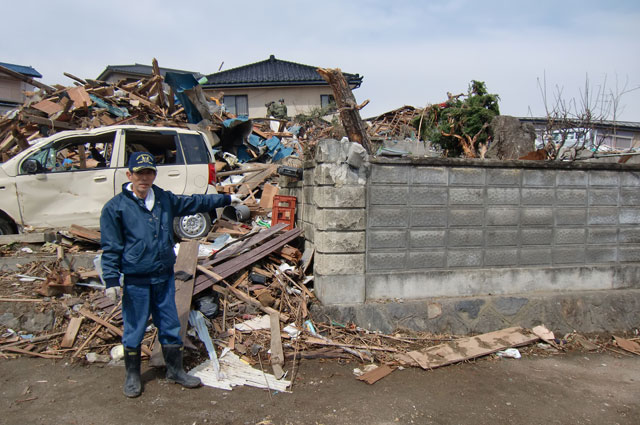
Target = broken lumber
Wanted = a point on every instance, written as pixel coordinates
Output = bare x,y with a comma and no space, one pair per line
184,271
471,347
376,374
85,233
19,76
277,355
30,353
71,333
110,327
347,107
224,270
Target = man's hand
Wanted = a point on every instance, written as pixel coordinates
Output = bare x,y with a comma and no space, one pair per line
113,293
235,200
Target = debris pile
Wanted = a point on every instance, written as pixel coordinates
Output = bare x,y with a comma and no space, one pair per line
394,124
247,302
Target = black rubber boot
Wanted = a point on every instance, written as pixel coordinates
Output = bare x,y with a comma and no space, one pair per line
132,384
175,373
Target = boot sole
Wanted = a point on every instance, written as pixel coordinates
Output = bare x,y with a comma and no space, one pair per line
173,381
134,395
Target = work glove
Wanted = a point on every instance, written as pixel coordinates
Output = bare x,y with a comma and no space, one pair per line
112,293
235,200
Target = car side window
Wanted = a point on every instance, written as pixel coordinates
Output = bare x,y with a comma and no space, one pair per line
195,149
71,154
162,145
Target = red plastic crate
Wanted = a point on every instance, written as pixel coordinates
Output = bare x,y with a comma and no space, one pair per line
284,210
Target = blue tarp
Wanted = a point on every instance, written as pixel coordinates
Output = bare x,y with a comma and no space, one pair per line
179,83
118,112
232,122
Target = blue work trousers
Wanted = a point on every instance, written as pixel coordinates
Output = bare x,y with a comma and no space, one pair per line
157,299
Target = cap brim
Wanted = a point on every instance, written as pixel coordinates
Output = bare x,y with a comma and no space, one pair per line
145,167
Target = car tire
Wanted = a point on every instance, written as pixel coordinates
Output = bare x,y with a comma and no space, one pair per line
6,228
192,226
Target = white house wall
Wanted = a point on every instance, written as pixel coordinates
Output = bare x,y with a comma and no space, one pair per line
298,99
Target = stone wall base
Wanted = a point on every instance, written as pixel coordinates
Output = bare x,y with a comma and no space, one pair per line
583,311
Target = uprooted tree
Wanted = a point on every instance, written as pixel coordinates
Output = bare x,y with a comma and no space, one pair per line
460,126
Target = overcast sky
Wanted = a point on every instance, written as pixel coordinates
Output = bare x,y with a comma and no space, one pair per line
409,52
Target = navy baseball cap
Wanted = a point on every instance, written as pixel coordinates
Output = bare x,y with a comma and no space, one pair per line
141,160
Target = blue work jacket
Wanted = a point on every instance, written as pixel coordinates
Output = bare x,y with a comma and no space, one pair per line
139,243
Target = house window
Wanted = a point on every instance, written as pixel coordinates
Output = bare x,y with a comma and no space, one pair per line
327,100
237,104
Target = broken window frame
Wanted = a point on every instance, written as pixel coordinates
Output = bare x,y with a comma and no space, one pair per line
162,145
48,159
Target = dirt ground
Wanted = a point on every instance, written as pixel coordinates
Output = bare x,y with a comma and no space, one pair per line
573,388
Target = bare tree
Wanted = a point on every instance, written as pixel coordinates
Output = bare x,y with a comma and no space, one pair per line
575,127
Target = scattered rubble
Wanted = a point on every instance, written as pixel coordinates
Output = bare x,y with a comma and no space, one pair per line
262,296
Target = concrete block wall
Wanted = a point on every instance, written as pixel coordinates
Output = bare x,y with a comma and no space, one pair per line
449,227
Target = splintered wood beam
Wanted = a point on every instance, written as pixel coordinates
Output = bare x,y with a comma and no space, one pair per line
116,330
73,77
235,264
162,101
72,330
184,271
347,107
5,70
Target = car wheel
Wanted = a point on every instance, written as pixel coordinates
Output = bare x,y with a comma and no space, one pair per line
5,227
192,226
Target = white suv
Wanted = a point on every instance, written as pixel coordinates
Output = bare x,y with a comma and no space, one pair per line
66,178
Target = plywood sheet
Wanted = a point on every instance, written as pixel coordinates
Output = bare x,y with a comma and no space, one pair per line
472,347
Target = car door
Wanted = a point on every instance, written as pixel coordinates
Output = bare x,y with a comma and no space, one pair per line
165,147
72,182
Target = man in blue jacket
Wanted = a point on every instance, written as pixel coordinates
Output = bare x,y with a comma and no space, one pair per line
137,242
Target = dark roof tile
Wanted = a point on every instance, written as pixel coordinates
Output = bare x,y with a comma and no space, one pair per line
141,70
24,70
272,72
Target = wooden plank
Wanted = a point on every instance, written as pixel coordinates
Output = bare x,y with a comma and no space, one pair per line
256,254
162,101
185,268
85,233
320,341
8,142
472,347
255,180
226,269
244,297
45,121
48,107
251,169
72,330
26,79
375,375
36,339
277,355
627,345
30,353
15,300
251,241
268,192
73,77
80,97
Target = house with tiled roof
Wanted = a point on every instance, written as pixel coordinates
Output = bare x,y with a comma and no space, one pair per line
135,72
249,88
12,89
